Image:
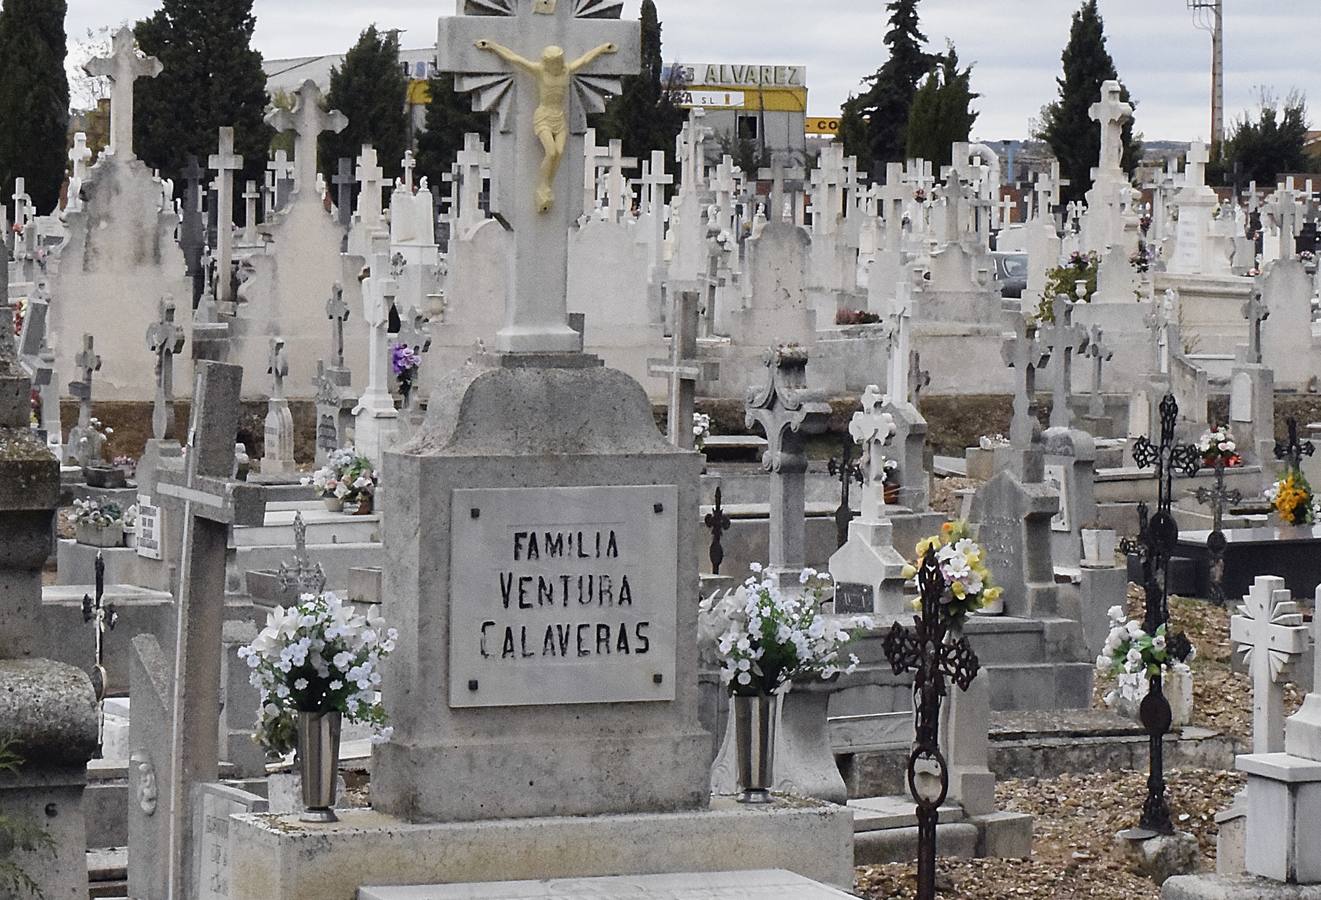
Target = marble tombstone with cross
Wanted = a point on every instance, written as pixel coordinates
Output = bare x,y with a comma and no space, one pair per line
120,256
537,474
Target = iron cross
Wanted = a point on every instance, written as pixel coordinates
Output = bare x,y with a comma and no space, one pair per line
1218,498
1292,451
718,522
847,471
338,313
103,616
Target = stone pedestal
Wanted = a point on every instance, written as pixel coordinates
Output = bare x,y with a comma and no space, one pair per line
278,458
1070,464
284,859
867,573
1284,812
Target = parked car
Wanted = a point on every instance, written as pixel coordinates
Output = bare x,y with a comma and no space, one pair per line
1010,273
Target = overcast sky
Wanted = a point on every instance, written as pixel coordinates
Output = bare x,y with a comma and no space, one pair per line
1015,44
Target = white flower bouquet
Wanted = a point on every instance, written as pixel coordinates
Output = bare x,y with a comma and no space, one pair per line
1129,650
763,637
95,514
346,476
319,656
701,429
1218,443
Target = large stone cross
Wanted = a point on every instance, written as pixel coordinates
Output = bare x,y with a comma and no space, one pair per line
540,67
618,195
337,311
1111,112
1100,354
165,340
787,411
894,194
281,174
873,430
343,181
123,67
212,503
1064,339
1270,634
683,369
1256,312
307,120
225,164
1025,354
1194,172
369,174
472,162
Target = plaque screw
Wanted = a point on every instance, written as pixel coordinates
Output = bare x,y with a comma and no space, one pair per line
472,684
476,513
657,678
658,508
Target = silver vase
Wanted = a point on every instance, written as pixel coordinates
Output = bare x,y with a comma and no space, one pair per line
754,743
318,764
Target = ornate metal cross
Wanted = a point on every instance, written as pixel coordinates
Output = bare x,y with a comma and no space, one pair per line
847,471
103,617
1218,498
1293,450
934,651
718,522
1159,538
538,67
303,575
164,339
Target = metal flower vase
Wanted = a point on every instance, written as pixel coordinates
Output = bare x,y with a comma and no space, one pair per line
755,722
318,763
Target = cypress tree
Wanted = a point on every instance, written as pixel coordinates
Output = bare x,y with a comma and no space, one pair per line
369,88
1066,125
449,117
646,115
876,121
34,99
211,77
942,111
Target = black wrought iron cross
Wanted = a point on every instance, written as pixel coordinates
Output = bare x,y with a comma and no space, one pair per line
718,522
847,471
1293,450
103,616
1160,535
934,651
1218,498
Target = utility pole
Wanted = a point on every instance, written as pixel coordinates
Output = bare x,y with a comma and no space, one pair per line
1209,15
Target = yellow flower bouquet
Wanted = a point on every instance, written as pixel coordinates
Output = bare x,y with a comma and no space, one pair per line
962,563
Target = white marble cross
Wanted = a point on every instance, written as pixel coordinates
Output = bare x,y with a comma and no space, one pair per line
683,370
409,164
225,164
1064,340
370,181
873,430
1194,172
619,198
251,197
690,151
1006,209
307,120
593,153
494,51
1111,112
123,67
899,321
79,155
1270,634
472,162
22,202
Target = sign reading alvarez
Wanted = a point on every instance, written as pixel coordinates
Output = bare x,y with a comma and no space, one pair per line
563,595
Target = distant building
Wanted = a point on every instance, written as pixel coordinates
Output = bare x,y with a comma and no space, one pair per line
763,105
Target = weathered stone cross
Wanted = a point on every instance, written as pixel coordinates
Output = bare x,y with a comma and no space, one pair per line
89,362
277,186
1111,112
123,67
251,201
873,430
472,161
683,369
1256,312
337,311
1064,339
225,164
409,164
212,503
277,366
1025,354
538,67
369,174
164,339
307,120
343,181
1100,355
1270,634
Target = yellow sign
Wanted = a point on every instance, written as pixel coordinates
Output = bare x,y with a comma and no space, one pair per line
823,125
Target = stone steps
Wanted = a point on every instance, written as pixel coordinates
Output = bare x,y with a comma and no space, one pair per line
324,528
1040,686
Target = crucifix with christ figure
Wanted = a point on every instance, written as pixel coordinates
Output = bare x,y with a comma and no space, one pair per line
574,51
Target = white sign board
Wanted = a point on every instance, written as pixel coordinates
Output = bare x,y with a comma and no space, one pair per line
712,99
563,595
149,528
1057,478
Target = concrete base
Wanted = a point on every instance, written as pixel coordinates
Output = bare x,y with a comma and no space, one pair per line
1161,857
1235,887
284,859
767,885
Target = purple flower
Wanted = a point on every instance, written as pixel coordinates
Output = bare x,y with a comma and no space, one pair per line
403,359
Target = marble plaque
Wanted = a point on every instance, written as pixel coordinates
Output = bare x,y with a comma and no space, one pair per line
854,599
216,803
149,528
761,885
563,595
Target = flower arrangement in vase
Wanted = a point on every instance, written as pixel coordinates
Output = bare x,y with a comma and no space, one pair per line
347,477
1134,657
316,665
962,563
98,524
1293,499
701,430
404,363
1218,444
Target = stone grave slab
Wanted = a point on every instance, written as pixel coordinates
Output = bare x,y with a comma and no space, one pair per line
214,804
1293,553
761,885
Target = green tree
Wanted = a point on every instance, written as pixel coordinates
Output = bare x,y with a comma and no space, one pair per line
646,114
942,111
34,99
1261,149
211,78
449,117
876,121
369,88
1066,124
